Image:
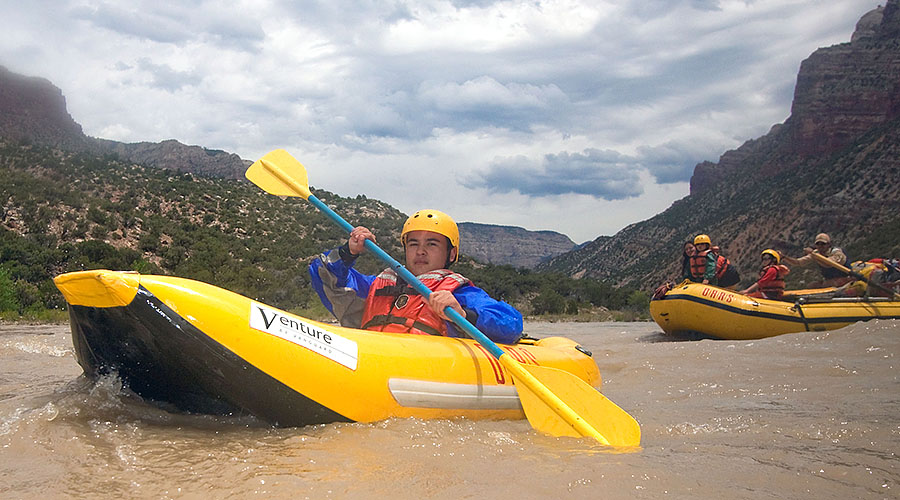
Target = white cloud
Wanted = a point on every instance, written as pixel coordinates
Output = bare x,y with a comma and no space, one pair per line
490,26
484,91
540,114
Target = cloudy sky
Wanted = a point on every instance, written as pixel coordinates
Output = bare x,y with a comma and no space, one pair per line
578,116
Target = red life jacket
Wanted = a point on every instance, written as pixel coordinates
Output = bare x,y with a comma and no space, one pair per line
394,306
773,289
721,266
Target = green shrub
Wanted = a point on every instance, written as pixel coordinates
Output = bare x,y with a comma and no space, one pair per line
8,298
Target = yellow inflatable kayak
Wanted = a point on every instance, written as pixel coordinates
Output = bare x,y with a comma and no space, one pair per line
205,349
690,309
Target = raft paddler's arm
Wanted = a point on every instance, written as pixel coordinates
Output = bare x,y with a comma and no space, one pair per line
770,275
802,261
837,255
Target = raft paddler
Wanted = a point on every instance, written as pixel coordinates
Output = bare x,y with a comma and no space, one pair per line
771,277
831,276
386,303
704,261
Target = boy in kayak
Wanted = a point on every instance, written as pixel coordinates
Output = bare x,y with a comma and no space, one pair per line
832,276
386,303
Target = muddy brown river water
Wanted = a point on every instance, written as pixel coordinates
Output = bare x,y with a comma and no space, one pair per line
811,415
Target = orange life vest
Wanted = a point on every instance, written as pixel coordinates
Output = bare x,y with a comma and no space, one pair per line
721,266
775,288
394,306
698,264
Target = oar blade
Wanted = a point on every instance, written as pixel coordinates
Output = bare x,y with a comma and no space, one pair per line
615,425
280,174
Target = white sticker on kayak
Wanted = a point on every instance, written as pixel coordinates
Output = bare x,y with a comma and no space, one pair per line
312,337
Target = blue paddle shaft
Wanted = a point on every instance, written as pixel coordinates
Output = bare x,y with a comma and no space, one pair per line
410,278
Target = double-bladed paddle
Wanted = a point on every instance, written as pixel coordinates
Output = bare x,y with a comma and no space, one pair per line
821,259
555,402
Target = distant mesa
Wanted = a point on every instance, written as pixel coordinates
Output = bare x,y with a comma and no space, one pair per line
515,246
34,110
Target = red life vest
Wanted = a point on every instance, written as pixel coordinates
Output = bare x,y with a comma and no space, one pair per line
698,264
394,306
721,266
775,288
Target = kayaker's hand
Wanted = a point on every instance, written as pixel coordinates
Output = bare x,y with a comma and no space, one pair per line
808,250
358,237
705,282
441,299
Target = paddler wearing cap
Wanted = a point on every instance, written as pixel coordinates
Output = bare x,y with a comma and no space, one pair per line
386,303
830,275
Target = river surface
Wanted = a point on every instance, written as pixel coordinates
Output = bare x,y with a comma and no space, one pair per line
812,415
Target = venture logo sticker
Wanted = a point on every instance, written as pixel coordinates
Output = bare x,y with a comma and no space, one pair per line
314,338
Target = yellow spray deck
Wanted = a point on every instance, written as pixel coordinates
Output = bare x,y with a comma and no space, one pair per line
694,308
206,349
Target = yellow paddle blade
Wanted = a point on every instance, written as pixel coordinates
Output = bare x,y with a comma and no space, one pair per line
595,412
821,259
280,174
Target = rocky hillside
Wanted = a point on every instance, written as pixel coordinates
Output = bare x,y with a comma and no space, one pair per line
511,245
62,211
34,110
831,166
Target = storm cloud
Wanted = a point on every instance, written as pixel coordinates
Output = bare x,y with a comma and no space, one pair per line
604,175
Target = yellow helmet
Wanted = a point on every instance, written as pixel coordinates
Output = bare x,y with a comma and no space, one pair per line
434,221
774,254
702,238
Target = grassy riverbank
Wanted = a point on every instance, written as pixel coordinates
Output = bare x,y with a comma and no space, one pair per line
35,316
318,313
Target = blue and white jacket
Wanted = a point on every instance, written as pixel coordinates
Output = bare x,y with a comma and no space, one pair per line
343,291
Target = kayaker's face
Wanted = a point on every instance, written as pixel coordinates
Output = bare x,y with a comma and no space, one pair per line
701,247
427,251
689,249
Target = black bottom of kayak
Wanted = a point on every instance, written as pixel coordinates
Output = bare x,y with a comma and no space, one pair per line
163,358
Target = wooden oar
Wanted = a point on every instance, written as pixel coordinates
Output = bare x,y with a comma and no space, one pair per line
555,401
821,259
